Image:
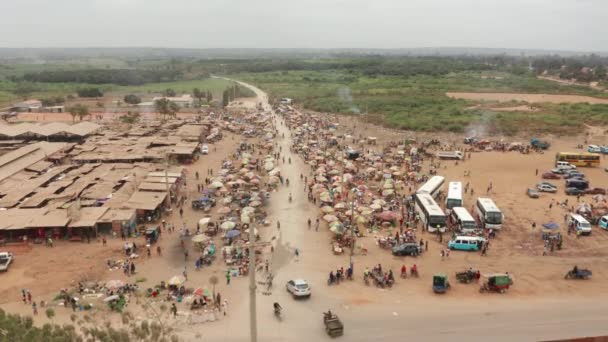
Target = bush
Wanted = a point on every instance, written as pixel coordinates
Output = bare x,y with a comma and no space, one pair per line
89,92
132,99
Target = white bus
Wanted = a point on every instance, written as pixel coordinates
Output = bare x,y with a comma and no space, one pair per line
432,187
463,221
488,213
430,213
454,198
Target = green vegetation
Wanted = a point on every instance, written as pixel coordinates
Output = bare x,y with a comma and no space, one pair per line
78,110
102,76
419,102
89,92
132,99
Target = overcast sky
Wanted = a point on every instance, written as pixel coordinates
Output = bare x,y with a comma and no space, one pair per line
579,25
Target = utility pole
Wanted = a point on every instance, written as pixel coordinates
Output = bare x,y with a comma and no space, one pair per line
253,325
168,200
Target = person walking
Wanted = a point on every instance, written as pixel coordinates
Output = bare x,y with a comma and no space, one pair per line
228,277
29,297
225,307
174,310
35,308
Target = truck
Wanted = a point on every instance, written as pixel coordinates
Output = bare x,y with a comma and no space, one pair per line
5,259
540,144
453,155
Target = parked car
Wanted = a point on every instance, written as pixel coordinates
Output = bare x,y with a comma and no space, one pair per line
546,187
411,249
298,288
205,149
565,165
532,193
5,259
550,175
574,191
559,171
577,183
594,149
596,191
574,175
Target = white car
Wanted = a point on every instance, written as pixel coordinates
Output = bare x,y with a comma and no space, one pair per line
205,149
298,288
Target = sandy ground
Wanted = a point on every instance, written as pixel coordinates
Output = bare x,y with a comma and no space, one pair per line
540,305
531,98
95,117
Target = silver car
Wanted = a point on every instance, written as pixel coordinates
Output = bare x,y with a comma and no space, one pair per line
298,288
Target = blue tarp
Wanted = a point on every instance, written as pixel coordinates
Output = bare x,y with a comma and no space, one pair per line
232,233
551,225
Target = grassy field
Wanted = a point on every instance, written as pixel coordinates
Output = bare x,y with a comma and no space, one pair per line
419,102
43,90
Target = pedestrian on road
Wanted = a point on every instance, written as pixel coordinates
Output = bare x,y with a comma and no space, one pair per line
34,308
228,277
225,307
29,297
174,310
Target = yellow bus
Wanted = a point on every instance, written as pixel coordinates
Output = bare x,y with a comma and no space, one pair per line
579,158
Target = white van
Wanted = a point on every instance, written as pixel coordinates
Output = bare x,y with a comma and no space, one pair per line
580,224
564,165
594,149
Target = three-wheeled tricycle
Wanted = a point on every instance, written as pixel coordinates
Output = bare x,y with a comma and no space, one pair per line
497,282
578,273
440,283
333,325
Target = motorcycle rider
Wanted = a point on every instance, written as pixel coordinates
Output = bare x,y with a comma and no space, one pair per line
277,308
290,197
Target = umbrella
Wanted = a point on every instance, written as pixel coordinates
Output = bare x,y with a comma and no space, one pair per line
340,205
200,292
388,192
227,200
255,203
248,210
177,280
330,218
376,206
113,284
274,172
387,215
336,229
200,238
379,201
111,298
217,185
327,209
232,233
227,225
204,222
224,210
551,225
245,218
255,231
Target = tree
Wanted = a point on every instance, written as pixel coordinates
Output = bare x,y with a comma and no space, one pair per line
213,280
132,99
130,118
197,93
162,107
225,98
169,92
600,72
78,110
165,107
90,92
209,96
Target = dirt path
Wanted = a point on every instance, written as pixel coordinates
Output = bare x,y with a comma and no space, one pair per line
530,98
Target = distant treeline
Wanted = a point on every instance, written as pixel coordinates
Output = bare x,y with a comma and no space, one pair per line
104,76
375,65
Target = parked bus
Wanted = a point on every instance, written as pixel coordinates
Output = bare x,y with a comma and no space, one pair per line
463,221
454,198
488,213
430,213
432,187
579,158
